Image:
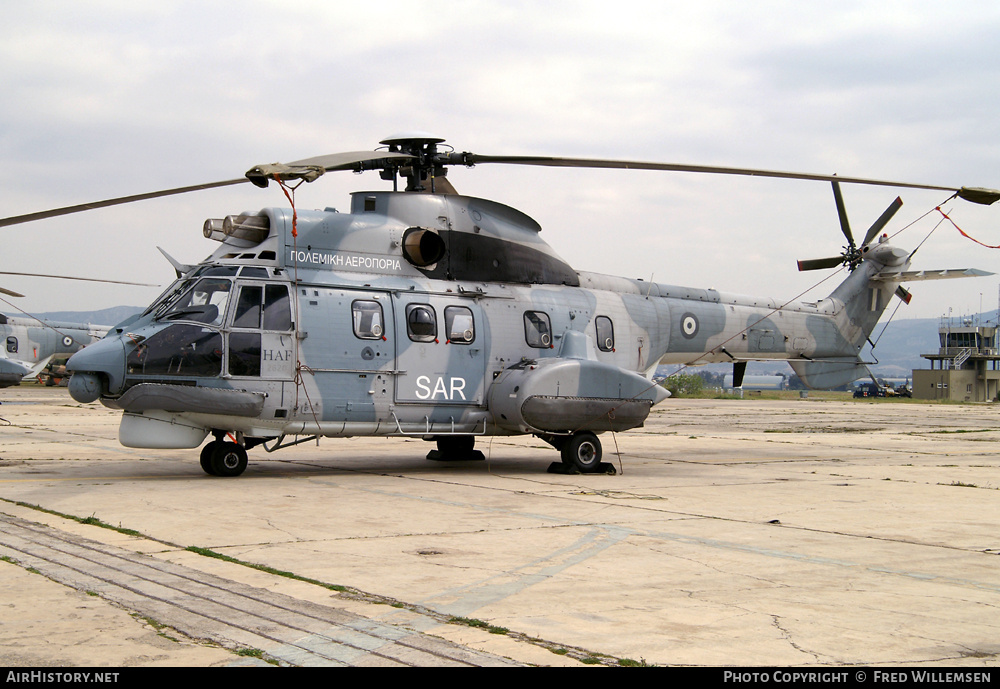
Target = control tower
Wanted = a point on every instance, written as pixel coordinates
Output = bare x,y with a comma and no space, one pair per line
964,369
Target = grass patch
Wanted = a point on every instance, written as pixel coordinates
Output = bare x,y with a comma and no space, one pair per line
90,521
628,662
479,624
264,568
158,627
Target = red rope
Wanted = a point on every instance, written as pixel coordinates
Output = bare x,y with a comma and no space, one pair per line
291,200
962,232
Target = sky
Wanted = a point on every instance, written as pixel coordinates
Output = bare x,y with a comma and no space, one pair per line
104,99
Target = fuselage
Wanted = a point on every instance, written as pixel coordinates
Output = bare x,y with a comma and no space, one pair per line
424,315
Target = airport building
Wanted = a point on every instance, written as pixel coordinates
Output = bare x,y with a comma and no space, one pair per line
965,367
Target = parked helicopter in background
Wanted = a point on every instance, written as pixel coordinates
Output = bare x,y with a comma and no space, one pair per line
29,344
430,314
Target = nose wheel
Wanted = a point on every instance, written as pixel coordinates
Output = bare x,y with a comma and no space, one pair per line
223,458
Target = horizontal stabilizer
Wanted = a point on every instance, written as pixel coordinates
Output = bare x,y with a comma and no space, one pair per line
39,366
915,275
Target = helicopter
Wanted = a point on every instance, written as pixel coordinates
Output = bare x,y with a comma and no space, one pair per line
30,343
428,314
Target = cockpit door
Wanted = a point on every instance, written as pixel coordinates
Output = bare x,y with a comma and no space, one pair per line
262,333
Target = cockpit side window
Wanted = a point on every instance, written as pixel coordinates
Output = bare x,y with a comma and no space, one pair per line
205,302
265,306
277,308
179,350
244,354
12,344
248,307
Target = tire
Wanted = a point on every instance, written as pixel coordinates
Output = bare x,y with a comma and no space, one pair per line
582,452
228,459
206,456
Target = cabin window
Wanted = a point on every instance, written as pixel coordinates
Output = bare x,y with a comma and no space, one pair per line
12,344
421,323
368,323
459,324
537,329
180,350
244,354
605,334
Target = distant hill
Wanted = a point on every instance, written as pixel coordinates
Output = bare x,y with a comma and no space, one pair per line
111,316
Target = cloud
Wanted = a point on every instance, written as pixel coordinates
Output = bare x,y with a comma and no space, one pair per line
111,98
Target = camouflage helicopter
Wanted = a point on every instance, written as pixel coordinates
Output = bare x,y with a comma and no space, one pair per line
29,343
429,314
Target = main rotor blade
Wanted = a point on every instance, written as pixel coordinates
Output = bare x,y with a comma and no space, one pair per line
335,161
67,277
820,263
845,226
29,217
882,221
349,159
10,293
973,194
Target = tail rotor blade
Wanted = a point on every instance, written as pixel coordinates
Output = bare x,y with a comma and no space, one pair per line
882,221
842,212
821,263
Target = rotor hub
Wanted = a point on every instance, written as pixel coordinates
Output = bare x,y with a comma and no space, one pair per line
426,164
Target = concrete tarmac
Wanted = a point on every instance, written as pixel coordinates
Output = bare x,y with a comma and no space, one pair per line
736,533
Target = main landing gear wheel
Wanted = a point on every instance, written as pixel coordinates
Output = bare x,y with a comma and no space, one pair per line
225,458
582,451
206,456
